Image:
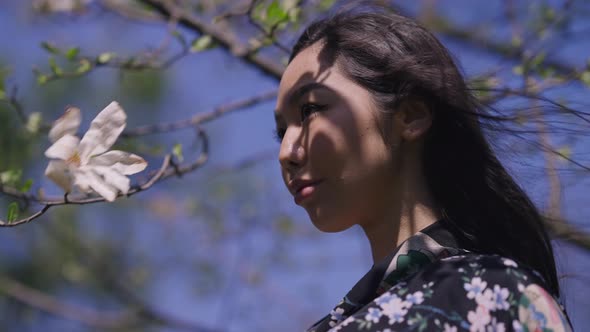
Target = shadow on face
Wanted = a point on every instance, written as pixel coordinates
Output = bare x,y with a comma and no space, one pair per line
339,143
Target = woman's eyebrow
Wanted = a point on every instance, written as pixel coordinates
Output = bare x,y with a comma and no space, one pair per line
304,89
300,92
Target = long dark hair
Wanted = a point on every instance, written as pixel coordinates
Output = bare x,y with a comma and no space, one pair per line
395,58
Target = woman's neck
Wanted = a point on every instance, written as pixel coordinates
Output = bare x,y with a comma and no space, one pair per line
384,237
403,214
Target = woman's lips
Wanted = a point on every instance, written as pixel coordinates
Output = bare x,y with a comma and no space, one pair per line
305,192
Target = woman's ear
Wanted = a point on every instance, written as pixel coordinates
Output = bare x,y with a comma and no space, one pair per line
412,120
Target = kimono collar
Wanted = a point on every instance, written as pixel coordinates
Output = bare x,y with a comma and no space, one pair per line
428,245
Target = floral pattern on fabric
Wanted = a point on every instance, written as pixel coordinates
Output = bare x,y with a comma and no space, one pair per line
440,288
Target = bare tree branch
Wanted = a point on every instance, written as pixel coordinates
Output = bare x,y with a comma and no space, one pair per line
130,12
470,37
120,319
223,37
75,312
564,230
201,118
168,169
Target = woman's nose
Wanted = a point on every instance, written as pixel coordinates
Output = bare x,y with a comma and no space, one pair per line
292,153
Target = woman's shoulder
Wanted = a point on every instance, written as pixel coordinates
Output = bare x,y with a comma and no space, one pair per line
466,292
473,265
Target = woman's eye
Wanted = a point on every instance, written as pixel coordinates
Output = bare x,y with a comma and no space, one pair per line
309,109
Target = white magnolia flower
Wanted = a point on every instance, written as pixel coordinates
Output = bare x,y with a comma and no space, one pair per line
85,164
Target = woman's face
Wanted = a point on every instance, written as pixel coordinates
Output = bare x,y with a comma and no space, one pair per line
333,157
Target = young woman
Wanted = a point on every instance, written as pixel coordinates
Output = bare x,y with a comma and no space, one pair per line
378,129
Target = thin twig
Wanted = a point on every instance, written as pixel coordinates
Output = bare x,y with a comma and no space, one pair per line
163,173
564,230
91,317
167,169
221,36
468,36
200,118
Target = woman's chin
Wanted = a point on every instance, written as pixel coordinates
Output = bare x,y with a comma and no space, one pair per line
329,225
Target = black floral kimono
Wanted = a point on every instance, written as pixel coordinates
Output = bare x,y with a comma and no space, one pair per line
430,284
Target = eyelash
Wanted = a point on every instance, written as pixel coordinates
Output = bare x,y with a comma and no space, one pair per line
278,134
315,108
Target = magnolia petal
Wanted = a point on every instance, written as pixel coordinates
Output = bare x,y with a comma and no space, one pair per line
80,181
67,124
120,161
114,178
64,149
104,131
58,172
87,180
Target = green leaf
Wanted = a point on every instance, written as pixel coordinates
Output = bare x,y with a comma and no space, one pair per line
294,14
326,4
72,53
157,149
275,14
84,66
54,67
537,60
564,153
12,212
285,225
176,34
105,58
50,48
2,86
521,118
585,77
177,151
26,186
548,13
201,43
547,72
518,70
34,122
516,41
259,12
42,79
132,62
11,177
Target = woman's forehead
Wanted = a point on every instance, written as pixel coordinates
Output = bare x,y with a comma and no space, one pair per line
309,67
305,66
